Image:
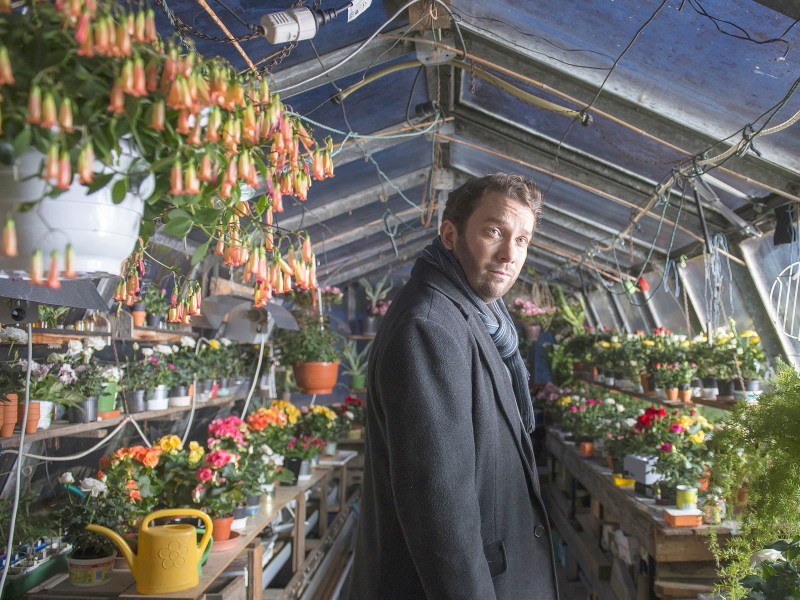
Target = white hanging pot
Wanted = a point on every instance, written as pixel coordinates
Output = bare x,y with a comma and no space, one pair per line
102,233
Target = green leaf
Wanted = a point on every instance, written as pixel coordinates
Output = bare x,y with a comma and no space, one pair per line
23,140
179,226
120,190
147,229
207,216
100,181
178,213
200,252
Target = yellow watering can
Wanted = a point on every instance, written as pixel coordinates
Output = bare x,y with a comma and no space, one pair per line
169,555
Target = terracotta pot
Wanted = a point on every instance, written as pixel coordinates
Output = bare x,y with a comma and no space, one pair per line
645,382
139,317
532,332
34,412
222,528
9,409
316,377
686,395
672,393
586,449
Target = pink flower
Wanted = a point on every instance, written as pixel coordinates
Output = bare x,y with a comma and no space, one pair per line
204,474
676,428
573,408
197,493
666,447
219,458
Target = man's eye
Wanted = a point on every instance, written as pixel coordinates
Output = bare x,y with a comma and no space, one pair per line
494,232
522,241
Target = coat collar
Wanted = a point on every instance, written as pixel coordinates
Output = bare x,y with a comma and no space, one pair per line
498,372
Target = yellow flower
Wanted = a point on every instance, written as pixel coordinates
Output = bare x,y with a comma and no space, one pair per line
195,453
214,344
748,334
686,421
685,344
170,443
605,344
564,400
755,340
698,437
648,343
616,345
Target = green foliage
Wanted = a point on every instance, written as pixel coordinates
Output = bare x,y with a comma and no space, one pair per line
376,293
52,315
155,300
759,448
315,341
354,362
571,311
779,577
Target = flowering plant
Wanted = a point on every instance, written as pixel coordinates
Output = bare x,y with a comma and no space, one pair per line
380,308
219,486
304,447
269,427
78,76
177,469
750,355
683,455
358,408
155,300
649,431
86,503
331,295
132,482
583,417
318,421
527,313
670,375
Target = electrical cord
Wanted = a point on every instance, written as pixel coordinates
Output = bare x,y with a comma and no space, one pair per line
255,378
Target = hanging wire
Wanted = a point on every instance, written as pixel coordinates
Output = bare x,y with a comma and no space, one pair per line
715,262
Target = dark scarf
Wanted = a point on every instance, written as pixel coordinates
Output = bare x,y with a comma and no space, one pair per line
498,325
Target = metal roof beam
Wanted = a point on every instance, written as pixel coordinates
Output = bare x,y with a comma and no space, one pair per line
362,232
378,52
341,206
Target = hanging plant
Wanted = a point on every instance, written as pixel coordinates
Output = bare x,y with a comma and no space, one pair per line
109,105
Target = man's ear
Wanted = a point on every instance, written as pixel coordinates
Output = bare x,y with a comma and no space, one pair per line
448,234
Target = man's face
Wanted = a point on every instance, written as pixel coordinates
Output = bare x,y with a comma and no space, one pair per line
494,244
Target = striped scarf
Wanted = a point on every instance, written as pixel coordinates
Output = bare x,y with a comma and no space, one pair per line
497,321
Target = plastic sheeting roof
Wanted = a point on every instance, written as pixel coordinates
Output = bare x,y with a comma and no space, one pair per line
659,88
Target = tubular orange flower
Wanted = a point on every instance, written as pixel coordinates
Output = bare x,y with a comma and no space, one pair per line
69,262
51,163
150,26
86,164
64,179
117,101
191,185
139,27
176,178
6,73
158,115
35,105
9,238
49,113
151,74
65,115
206,171
37,267
139,78
124,47
52,275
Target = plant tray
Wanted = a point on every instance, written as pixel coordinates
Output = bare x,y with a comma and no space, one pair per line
690,517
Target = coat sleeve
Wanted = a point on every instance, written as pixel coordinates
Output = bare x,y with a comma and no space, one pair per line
425,390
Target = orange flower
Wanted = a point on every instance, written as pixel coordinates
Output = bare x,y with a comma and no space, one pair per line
135,495
150,458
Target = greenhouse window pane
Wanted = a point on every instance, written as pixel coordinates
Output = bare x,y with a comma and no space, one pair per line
602,308
667,310
729,301
767,262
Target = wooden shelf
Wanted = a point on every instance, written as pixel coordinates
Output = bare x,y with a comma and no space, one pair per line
60,337
359,336
76,429
721,405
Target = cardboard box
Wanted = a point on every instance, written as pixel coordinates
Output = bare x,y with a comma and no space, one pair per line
689,517
641,468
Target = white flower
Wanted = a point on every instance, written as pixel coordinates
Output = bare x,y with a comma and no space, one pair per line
765,555
620,408
609,401
175,348
630,422
95,343
164,349
188,342
14,334
74,347
225,341
147,352
66,478
135,345
112,374
94,487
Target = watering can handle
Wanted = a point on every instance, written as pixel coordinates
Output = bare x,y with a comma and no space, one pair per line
183,512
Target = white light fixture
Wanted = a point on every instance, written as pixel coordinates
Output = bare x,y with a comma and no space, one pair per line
302,23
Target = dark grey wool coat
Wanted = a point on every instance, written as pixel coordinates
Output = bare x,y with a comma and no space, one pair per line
450,505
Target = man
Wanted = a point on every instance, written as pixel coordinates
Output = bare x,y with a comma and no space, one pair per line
451,506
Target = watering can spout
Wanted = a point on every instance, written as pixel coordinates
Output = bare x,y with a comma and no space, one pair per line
119,542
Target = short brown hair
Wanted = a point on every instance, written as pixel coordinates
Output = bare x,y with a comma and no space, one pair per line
461,202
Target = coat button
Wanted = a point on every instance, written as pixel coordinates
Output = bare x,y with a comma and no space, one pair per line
538,530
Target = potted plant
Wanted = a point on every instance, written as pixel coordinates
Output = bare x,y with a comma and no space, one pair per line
299,452
91,560
355,408
355,363
155,304
532,318
313,353
136,382
755,460
108,124
376,294
268,432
